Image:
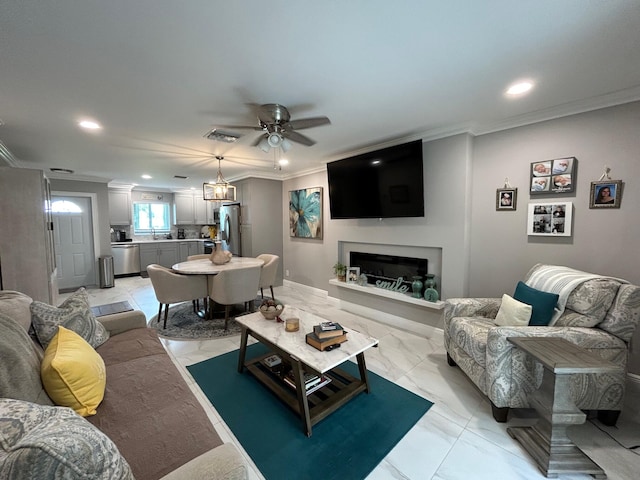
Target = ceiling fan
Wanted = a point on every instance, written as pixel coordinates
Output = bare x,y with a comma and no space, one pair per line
278,127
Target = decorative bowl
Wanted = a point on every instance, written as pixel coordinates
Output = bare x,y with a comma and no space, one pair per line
271,311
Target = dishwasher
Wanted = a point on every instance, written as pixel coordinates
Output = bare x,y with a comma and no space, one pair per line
126,259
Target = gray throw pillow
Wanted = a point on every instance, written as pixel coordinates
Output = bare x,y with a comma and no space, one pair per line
20,360
74,314
55,442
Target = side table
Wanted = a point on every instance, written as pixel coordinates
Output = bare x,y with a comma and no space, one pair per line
547,441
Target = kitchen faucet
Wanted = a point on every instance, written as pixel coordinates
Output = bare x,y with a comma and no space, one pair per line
153,232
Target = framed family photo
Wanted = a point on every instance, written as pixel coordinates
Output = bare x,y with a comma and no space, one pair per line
555,176
606,194
550,219
506,198
352,274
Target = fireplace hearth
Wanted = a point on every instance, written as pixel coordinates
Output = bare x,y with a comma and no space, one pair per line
388,268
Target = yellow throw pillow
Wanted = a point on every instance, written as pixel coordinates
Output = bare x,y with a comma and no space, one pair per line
73,373
513,313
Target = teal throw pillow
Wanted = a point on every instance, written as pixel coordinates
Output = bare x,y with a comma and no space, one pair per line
542,303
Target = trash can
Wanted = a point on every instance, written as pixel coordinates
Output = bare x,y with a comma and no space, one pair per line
106,271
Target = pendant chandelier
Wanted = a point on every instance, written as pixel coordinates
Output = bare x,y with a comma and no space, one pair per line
221,191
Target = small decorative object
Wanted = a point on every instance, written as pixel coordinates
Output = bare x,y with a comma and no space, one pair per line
430,281
363,280
292,324
219,256
340,270
416,286
506,197
352,274
550,219
305,213
271,309
605,194
393,285
555,176
431,295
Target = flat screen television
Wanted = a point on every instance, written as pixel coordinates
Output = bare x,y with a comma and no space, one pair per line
385,183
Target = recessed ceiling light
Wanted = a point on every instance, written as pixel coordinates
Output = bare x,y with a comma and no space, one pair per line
146,177
283,161
90,125
519,88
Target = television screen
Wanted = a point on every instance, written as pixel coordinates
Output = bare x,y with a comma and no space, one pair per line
384,183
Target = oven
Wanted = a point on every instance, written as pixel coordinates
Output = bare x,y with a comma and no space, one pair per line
209,246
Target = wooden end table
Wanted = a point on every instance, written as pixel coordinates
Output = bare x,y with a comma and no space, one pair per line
547,441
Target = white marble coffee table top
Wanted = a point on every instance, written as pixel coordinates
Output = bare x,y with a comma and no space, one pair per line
294,342
204,266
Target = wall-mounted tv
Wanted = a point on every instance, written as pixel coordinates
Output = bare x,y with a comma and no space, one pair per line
385,183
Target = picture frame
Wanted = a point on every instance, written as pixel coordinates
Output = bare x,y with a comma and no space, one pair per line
605,194
305,213
556,176
352,274
506,199
550,219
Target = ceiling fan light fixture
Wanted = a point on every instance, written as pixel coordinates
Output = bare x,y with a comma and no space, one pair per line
264,145
286,145
275,139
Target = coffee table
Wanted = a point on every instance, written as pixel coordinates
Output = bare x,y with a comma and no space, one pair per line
293,349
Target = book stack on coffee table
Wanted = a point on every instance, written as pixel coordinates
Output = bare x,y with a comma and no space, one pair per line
326,335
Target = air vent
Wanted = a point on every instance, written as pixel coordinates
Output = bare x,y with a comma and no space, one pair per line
61,170
181,177
221,136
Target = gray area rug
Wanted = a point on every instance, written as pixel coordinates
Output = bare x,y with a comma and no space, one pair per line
183,323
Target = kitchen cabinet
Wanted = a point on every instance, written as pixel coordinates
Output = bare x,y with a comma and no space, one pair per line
184,209
162,253
27,262
189,248
191,209
119,207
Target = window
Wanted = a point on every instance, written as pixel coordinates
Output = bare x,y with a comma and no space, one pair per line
149,217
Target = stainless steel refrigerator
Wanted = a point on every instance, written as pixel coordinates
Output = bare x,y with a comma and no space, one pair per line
230,228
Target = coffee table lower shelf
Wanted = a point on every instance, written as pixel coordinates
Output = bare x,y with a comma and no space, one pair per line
316,406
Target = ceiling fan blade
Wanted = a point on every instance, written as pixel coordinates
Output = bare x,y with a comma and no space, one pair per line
309,122
258,140
240,127
298,137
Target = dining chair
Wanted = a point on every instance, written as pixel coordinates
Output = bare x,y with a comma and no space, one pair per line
235,286
171,287
199,256
268,272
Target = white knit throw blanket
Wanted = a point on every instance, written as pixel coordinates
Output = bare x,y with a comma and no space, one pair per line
560,280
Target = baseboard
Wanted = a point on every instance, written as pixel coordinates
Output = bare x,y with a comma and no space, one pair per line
378,316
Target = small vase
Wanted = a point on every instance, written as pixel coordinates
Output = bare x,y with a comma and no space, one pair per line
220,256
430,282
416,286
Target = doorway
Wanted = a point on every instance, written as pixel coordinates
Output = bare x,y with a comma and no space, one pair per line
73,241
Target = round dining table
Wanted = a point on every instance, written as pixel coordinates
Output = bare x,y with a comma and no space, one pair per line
204,266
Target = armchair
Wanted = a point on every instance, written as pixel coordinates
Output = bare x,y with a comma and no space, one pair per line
600,315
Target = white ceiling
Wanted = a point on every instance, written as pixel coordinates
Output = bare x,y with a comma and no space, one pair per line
159,74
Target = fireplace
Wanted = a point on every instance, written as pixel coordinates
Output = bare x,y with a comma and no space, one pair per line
378,266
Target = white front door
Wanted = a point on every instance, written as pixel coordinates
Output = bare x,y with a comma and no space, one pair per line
73,237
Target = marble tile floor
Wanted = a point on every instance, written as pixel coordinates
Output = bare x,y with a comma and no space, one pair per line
457,439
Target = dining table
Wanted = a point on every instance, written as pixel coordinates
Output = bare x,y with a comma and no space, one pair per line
204,266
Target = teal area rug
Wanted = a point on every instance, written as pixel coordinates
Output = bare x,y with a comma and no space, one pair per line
348,444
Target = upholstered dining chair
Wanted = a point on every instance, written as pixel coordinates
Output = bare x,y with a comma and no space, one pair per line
234,286
268,272
199,256
171,287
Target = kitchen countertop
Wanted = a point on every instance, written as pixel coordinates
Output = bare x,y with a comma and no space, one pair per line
161,240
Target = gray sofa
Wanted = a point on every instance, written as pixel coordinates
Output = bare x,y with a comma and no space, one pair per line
148,426
599,314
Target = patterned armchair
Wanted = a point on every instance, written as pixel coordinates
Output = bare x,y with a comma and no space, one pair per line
600,315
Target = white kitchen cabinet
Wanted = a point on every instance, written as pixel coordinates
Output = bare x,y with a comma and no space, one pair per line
161,253
119,207
184,209
204,211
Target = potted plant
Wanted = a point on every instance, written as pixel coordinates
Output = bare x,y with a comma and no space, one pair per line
341,271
